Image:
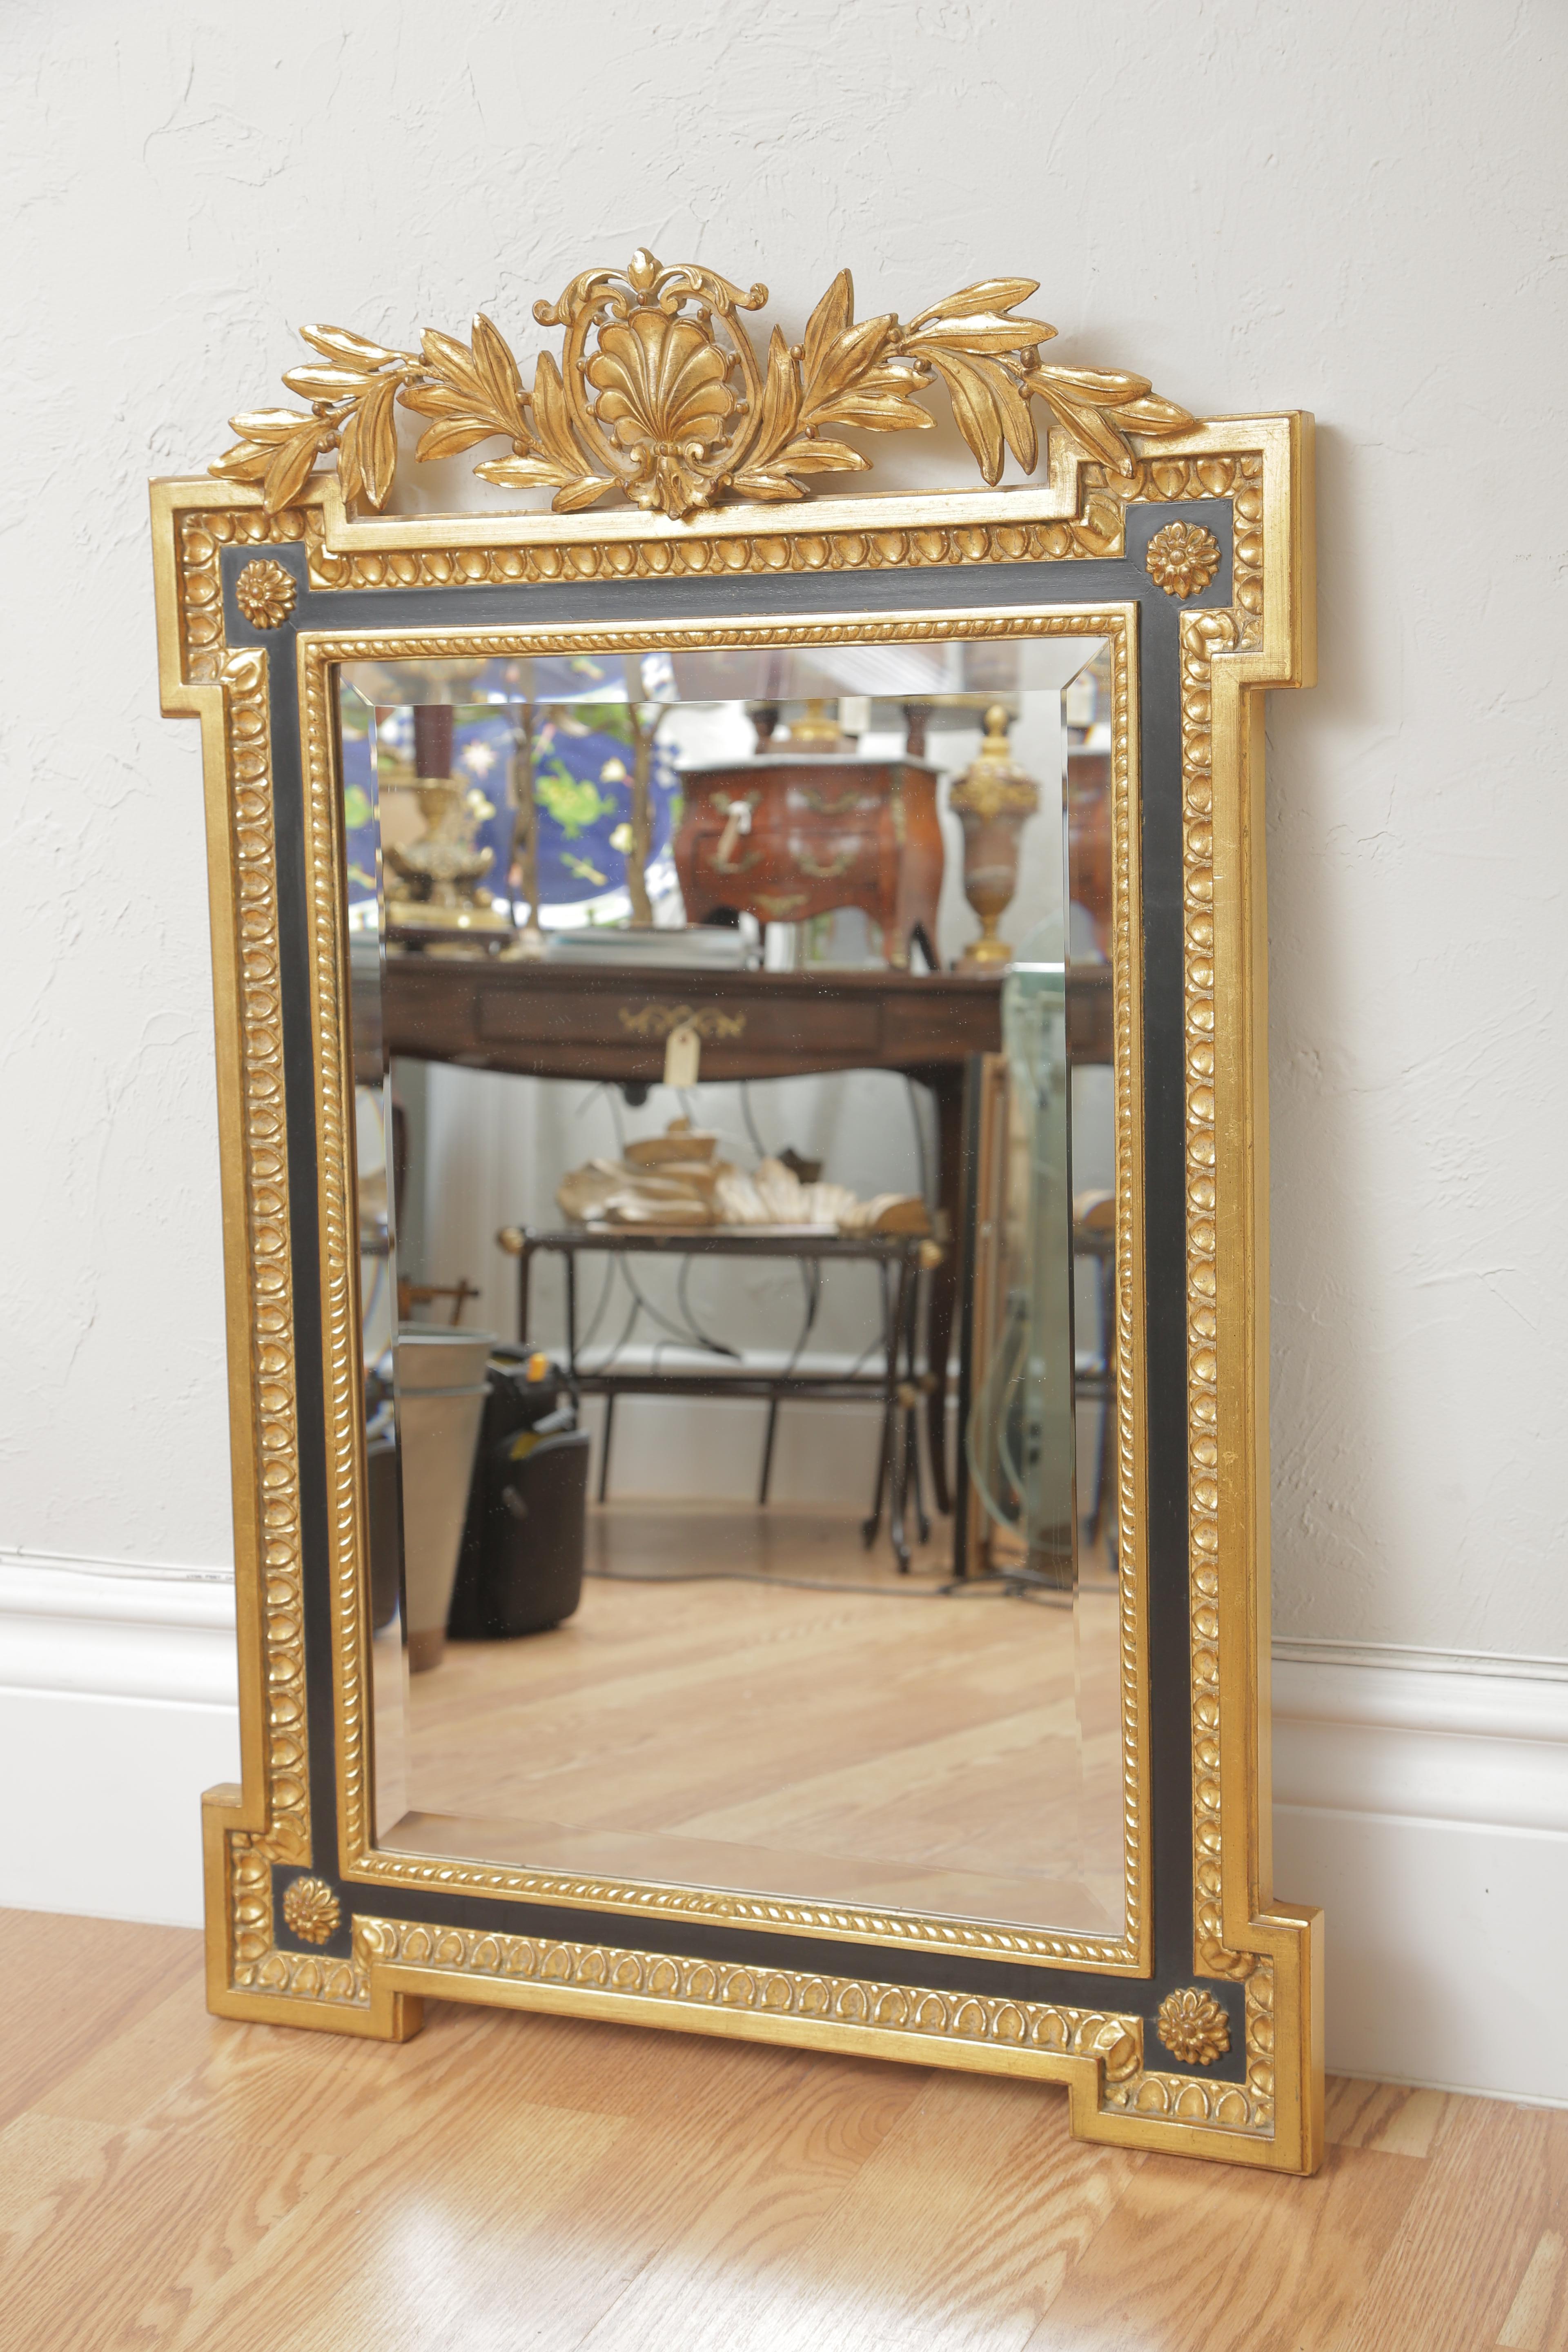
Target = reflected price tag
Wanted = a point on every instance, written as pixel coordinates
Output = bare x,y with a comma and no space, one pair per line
682,1054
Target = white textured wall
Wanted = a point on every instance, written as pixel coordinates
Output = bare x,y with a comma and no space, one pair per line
1357,209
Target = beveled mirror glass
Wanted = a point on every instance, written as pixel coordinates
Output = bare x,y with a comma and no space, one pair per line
739,1033
809,1428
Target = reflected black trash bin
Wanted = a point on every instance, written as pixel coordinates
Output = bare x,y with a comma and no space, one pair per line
520,1568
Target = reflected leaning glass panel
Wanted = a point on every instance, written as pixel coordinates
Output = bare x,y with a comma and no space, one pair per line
738,1192
376,1161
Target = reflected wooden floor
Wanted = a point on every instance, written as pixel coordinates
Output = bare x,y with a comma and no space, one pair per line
854,1736
174,2183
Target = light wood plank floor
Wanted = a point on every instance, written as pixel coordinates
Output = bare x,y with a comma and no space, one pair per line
853,1735
167,2180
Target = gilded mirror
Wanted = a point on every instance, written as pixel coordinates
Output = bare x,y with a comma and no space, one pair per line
740,1035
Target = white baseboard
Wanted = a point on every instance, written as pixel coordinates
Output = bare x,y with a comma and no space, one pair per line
118,1708
1421,1798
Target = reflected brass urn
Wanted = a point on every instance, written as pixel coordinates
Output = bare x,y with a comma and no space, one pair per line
440,885
994,799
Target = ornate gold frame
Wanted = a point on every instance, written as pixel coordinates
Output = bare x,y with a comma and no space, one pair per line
364,1934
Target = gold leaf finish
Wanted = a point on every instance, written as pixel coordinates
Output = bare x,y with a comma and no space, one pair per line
1098,530
1193,2027
1203,634
1115,2041
659,395
310,1910
265,593
363,1859
1183,559
275,1430
664,393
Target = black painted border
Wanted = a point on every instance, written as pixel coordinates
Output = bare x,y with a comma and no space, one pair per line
1043,586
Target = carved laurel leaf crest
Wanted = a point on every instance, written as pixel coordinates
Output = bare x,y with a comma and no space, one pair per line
659,395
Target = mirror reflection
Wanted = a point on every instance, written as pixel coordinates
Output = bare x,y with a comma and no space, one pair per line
735,1129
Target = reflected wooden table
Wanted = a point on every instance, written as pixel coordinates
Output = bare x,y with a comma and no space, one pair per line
561,1020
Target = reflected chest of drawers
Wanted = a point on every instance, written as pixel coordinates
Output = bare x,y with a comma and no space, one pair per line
786,838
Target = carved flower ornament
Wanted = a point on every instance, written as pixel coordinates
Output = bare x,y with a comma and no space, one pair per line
1193,2027
660,394
1183,559
311,1910
265,593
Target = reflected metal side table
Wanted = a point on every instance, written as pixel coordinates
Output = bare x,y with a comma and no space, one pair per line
898,1389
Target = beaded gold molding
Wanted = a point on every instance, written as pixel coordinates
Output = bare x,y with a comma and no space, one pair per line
264,1146
473,552
1115,2041
1203,635
1045,2030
